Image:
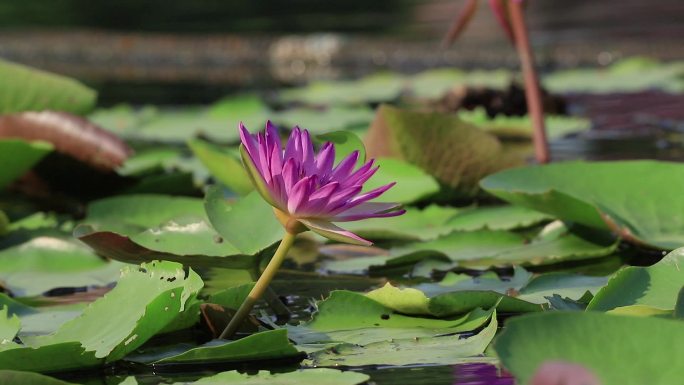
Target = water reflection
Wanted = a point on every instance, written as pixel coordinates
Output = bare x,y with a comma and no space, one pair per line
481,374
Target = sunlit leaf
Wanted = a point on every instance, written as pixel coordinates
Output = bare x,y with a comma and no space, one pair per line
604,195
601,343
30,89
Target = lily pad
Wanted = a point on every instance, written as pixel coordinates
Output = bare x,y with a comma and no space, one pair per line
415,224
154,295
444,350
603,195
655,286
520,127
305,376
375,88
507,217
320,121
529,341
223,164
9,325
143,210
413,184
28,378
30,89
456,153
18,156
272,344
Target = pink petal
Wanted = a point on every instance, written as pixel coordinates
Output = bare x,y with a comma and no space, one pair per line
292,144
325,159
362,198
290,174
345,167
333,232
248,140
325,191
257,179
300,194
369,210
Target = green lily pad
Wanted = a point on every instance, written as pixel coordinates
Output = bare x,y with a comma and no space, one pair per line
305,376
345,142
30,89
444,350
656,286
143,210
272,344
28,378
223,164
600,342
456,153
379,87
415,224
249,225
603,195
247,108
413,184
488,281
350,317
627,75
18,156
9,325
566,285
507,217
122,119
320,121
154,295
149,161
520,127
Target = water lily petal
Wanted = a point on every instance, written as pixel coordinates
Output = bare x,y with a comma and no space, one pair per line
325,159
369,210
300,193
345,167
333,232
257,179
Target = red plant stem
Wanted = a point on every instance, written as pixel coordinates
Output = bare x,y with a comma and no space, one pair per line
532,93
460,23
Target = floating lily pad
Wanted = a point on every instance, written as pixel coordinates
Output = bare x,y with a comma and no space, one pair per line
444,350
600,342
379,87
655,286
18,156
603,195
413,184
319,121
415,224
28,378
520,127
272,344
628,75
9,325
305,376
154,295
30,89
143,210
507,217
223,164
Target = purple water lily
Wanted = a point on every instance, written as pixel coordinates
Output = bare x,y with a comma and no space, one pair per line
306,190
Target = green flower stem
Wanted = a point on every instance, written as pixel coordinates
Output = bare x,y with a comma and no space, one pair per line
260,286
